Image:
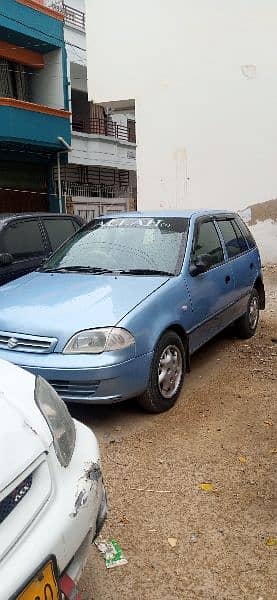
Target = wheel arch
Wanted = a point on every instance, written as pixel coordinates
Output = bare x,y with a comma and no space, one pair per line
181,332
259,286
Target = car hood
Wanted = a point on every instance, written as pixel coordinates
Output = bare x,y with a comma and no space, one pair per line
60,304
24,434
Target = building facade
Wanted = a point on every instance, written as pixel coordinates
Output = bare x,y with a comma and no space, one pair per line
34,104
101,172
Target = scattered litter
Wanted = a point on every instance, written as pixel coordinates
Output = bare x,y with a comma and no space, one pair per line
194,537
207,487
242,459
172,542
274,340
272,541
268,423
115,440
112,552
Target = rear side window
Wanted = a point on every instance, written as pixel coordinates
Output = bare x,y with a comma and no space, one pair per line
241,239
247,234
23,239
234,245
59,230
207,242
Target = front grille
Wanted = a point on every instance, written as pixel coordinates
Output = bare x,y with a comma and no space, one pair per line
77,391
14,498
26,343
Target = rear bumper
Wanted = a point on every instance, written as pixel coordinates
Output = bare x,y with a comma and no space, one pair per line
97,385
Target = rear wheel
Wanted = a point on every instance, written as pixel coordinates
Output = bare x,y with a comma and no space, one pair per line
246,326
166,376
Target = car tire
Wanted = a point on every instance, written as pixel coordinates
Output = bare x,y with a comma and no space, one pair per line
166,376
246,326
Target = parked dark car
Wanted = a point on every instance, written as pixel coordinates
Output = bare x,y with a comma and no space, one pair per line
27,239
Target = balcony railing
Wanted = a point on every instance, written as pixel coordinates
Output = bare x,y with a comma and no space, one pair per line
106,128
72,16
90,191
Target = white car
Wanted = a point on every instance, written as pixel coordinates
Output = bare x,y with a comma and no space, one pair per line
52,497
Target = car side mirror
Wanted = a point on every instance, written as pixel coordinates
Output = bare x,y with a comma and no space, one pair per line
6,259
201,264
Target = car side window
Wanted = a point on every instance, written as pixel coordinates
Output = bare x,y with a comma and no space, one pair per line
58,230
23,239
232,243
247,234
241,239
207,242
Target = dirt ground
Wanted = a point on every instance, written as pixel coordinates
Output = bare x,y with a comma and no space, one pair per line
222,431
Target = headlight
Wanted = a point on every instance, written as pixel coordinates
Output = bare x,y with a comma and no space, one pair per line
95,341
58,418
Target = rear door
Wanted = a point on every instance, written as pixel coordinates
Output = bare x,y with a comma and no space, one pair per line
243,260
59,229
211,292
24,240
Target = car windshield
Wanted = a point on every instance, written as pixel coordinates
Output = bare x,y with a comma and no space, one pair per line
130,245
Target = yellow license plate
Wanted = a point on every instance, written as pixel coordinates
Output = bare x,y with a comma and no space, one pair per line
43,586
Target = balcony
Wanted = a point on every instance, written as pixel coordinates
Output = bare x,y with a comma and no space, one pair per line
72,16
33,124
107,128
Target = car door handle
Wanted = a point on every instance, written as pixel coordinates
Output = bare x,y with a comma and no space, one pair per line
227,279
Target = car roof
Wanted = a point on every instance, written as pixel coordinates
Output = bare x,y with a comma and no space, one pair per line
10,216
185,214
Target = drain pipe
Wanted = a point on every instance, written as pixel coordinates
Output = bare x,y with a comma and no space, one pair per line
68,149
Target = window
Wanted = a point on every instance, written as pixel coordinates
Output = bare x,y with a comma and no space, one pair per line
241,239
14,80
232,243
58,230
247,234
208,242
24,239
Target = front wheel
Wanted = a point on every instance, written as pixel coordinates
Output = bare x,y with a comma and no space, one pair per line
246,326
166,376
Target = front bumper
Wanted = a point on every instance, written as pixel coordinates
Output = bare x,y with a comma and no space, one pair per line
82,379
62,528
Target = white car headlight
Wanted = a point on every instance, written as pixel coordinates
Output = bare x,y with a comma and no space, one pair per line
95,341
59,420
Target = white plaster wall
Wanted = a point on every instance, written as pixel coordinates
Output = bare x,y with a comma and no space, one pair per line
102,151
47,83
206,122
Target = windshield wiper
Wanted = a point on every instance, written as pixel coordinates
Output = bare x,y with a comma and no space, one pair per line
77,269
145,272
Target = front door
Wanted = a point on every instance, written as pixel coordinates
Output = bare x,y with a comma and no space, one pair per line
211,292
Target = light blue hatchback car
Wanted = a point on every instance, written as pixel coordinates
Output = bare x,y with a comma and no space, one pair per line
117,311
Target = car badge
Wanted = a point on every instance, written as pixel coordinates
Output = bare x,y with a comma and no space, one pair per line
12,343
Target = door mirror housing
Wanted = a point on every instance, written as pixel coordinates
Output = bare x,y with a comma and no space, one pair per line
6,259
201,264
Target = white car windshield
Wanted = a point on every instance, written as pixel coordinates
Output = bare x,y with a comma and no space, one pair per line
131,245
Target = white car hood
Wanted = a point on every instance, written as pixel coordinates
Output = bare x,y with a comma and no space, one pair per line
24,434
